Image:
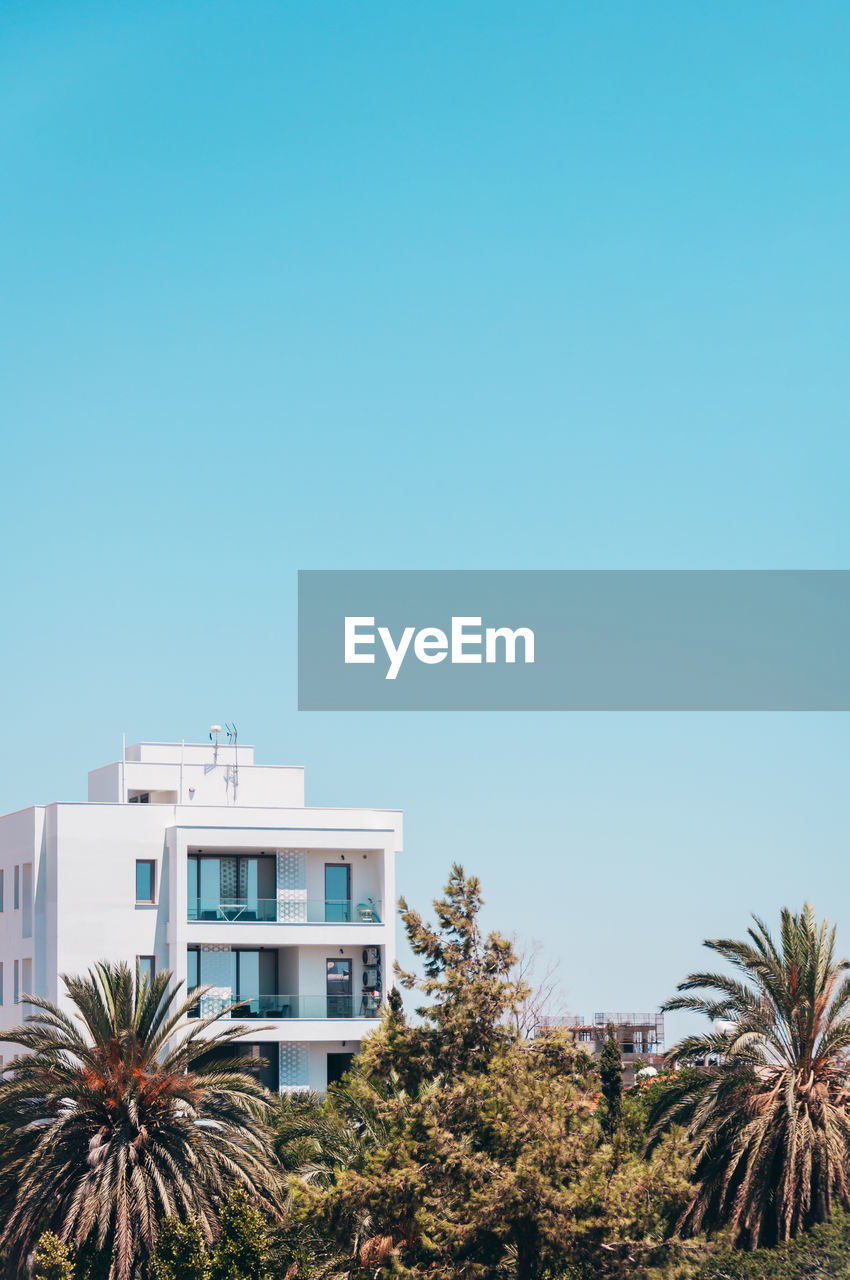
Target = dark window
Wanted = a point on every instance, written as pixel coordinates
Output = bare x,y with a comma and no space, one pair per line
265,1054
338,1064
139,797
2,877
147,968
145,880
17,887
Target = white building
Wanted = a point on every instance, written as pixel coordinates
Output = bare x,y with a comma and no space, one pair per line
196,859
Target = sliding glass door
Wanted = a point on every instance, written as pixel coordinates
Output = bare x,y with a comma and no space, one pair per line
251,982
232,887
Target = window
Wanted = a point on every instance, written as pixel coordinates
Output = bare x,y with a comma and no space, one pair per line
339,989
147,968
585,1037
338,1064
17,887
26,914
1,982
193,978
251,978
16,987
337,892
145,880
139,797
232,887
2,877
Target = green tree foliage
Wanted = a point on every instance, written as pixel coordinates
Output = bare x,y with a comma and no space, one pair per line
241,1252
108,1124
766,1107
180,1252
92,1263
54,1259
611,1079
468,980
822,1252
470,1152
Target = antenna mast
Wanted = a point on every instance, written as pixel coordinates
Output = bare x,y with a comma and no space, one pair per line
233,738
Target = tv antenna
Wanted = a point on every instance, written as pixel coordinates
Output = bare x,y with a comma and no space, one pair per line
232,738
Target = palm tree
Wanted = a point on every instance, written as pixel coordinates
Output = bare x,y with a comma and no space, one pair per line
767,1105
109,1123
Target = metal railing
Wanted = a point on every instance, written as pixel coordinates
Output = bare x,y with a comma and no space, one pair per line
285,910
366,1004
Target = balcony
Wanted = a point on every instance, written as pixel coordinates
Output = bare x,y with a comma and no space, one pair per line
285,911
366,1004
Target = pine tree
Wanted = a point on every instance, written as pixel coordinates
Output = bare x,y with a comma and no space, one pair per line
180,1252
611,1075
54,1259
468,978
241,1252
483,1151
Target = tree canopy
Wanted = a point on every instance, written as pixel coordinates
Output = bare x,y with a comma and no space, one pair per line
481,1153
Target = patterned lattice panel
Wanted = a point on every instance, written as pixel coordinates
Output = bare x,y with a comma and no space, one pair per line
215,973
228,882
294,1058
291,886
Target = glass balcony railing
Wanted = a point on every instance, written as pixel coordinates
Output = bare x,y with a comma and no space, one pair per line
286,910
269,1007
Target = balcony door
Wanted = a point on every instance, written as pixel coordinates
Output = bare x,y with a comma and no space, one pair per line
337,892
339,988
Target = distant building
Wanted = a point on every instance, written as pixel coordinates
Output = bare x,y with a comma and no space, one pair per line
640,1035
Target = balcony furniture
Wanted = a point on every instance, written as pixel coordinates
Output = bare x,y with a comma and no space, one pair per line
236,911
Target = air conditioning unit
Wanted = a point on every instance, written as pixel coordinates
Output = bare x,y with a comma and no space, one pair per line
371,956
371,977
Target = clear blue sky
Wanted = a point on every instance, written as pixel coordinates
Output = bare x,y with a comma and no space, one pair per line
491,285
